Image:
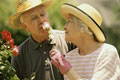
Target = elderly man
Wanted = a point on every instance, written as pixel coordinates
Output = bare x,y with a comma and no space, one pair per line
33,56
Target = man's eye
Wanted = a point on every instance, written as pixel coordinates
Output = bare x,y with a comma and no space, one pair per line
33,18
42,14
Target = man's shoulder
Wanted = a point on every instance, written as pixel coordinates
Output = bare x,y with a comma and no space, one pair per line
59,35
24,42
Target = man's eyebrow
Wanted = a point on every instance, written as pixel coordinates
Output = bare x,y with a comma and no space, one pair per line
31,15
42,10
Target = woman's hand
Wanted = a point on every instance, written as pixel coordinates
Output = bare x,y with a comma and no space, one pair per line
59,61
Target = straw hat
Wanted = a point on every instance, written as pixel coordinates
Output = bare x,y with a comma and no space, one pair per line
23,6
88,15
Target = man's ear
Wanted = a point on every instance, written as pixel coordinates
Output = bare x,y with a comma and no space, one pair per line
23,25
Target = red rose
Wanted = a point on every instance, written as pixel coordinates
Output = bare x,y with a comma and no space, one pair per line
11,42
6,35
15,50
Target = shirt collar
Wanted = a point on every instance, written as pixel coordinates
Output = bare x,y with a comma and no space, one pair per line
35,44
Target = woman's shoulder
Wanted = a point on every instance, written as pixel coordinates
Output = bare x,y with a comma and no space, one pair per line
109,47
108,51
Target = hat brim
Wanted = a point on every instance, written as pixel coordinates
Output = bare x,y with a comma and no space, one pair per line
14,20
85,18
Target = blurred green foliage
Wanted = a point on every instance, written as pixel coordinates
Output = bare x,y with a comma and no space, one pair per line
56,19
113,32
7,8
116,10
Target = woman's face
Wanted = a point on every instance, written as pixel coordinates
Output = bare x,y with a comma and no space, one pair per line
72,30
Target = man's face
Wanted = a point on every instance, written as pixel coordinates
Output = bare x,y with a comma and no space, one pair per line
34,20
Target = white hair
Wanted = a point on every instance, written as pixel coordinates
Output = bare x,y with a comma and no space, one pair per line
83,27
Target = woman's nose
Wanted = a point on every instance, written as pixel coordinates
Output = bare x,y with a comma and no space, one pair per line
65,27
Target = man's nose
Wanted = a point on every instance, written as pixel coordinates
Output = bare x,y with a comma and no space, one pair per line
40,19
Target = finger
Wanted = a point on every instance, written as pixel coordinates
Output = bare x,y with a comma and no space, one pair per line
60,60
55,63
52,50
53,54
54,59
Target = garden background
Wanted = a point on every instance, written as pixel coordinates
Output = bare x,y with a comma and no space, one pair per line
111,26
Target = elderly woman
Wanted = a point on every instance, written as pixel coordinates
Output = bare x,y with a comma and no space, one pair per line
93,59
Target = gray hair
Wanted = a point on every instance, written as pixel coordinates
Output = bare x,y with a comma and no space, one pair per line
84,27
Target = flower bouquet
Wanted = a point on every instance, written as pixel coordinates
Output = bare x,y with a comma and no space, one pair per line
7,50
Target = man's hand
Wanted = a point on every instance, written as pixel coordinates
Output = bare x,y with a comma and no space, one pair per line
59,61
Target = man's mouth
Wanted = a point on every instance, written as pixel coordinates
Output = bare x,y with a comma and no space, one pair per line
46,25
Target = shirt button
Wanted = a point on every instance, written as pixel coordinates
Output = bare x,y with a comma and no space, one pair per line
40,45
46,61
44,52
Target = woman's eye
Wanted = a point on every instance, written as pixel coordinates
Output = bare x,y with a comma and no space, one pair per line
68,21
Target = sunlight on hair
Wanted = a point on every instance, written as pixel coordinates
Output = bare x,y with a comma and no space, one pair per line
84,27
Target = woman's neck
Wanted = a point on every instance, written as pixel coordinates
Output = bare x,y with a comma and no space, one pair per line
87,46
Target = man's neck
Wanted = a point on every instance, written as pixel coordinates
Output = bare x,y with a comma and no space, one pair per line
40,38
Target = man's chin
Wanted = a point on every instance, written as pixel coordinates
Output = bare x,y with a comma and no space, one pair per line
66,39
44,30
